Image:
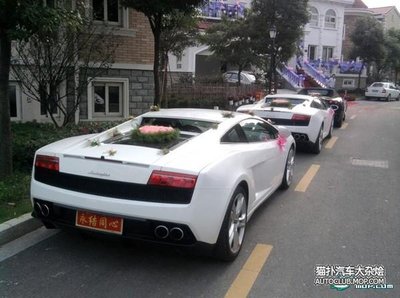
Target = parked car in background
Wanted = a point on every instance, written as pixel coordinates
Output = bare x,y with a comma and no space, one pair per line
382,90
184,177
308,118
232,76
332,98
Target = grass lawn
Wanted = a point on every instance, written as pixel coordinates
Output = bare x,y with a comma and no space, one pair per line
14,196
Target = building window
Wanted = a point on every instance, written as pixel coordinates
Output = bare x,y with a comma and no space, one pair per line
312,52
330,19
107,11
314,16
347,83
327,53
108,97
13,97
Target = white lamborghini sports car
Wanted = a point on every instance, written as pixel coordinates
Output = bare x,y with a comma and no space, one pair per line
308,118
187,177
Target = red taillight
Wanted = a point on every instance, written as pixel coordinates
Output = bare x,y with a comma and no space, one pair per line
47,162
300,117
171,179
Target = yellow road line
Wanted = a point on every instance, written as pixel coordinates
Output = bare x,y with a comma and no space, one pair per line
245,279
331,142
344,126
307,178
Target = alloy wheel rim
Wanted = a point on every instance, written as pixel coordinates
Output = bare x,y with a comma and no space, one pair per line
237,222
320,138
290,167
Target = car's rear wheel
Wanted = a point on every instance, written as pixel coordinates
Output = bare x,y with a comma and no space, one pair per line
317,146
233,228
289,169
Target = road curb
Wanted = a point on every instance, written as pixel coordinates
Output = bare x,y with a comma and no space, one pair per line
17,227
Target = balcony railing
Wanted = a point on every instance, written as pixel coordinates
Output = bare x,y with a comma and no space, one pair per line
219,9
297,81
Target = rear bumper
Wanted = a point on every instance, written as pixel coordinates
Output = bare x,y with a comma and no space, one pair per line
59,216
376,94
199,222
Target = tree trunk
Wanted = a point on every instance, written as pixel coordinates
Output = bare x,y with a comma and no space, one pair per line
5,125
155,25
359,77
164,80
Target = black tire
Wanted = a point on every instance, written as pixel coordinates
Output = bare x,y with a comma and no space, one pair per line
339,122
331,128
225,248
317,146
388,98
288,174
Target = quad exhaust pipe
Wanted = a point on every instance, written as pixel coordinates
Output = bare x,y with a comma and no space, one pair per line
175,234
42,208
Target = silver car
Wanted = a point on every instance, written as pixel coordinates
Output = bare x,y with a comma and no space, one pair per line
382,90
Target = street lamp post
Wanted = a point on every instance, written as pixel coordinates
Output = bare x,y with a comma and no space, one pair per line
272,35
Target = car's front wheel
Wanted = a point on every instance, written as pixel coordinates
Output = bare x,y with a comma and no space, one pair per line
388,98
233,228
289,169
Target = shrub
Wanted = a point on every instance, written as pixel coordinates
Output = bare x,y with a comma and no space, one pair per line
30,136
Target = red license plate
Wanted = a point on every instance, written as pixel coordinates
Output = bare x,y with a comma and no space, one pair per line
99,222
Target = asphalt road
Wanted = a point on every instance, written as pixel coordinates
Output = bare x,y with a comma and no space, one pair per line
346,214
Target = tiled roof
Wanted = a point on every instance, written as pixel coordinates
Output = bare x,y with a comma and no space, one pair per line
381,10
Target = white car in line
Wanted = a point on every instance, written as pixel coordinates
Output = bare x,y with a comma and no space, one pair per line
308,118
187,177
382,90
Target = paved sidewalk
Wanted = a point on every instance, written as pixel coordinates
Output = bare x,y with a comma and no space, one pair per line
17,227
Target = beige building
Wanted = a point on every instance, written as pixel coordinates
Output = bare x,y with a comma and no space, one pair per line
389,16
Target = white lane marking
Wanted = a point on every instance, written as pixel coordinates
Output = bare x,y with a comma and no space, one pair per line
353,117
14,247
384,164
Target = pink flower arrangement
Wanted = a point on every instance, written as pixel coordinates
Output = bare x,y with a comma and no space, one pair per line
152,134
153,129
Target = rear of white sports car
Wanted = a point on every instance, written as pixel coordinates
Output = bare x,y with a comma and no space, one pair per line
197,192
291,111
136,192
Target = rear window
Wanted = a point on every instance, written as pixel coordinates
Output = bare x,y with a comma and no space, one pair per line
184,125
377,85
188,128
318,92
284,102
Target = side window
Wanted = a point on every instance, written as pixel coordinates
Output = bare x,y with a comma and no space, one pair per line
318,104
234,135
258,131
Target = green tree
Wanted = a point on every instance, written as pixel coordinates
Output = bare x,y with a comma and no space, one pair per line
289,18
368,46
392,45
179,32
18,20
231,43
75,54
156,11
